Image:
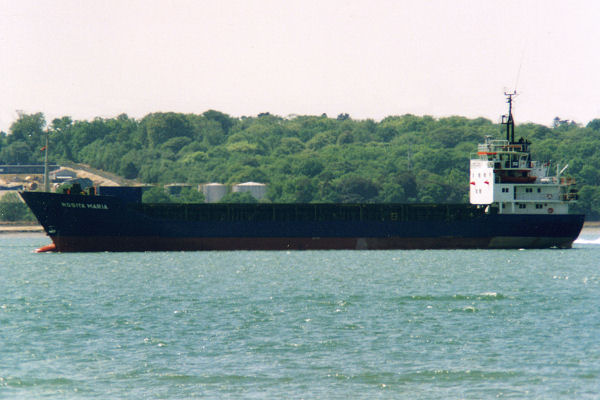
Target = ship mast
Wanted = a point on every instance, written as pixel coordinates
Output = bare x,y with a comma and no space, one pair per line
46,180
508,119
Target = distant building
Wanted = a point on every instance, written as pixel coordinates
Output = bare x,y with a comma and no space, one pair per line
213,192
12,187
257,190
62,175
25,169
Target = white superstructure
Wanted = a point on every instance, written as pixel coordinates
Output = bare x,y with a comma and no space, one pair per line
503,175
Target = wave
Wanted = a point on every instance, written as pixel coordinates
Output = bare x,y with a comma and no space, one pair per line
457,297
587,241
386,378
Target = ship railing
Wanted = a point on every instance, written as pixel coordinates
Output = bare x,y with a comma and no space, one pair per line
539,197
494,147
546,198
564,181
518,147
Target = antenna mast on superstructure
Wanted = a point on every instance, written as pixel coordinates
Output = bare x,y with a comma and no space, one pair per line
508,119
46,180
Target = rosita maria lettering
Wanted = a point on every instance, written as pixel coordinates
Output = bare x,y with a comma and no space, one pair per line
97,206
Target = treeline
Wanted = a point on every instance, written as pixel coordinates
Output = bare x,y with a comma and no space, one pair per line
303,158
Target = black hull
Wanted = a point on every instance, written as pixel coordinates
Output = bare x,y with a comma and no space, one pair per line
104,223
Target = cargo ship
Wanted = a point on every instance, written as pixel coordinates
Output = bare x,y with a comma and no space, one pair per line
514,203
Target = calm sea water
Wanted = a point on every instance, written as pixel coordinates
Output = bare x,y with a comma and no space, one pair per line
334,324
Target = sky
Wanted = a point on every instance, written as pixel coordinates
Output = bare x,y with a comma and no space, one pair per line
370,59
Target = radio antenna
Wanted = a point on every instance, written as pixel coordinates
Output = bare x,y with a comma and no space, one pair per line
519,70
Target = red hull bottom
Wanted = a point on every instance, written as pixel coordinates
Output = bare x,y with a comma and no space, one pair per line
47,248
94,244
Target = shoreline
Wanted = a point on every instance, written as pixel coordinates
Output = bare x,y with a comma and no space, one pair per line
20,227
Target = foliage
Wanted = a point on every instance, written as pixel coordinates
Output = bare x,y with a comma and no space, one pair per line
403,158
189,195
157,194
13,209
238,197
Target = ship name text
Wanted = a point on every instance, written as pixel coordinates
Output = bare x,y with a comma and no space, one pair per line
97,206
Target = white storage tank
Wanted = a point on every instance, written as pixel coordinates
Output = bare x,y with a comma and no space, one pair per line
257,190
213,192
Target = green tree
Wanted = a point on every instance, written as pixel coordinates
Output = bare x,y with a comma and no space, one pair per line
224,120
305,190
28,128
161,127
13,209
356,189
17,153
128,170
156,194
190,195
